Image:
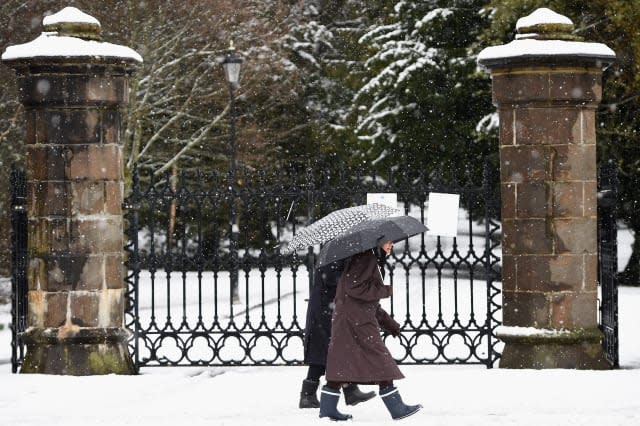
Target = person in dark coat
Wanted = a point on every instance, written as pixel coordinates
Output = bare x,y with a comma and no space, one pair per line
357,353
317,334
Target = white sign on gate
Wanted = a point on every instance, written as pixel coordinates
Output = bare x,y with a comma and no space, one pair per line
389,199
442,214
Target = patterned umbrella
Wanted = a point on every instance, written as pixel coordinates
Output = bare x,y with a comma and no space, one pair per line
367,235
336,223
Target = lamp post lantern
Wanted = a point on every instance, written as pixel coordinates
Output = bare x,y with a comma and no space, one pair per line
232,64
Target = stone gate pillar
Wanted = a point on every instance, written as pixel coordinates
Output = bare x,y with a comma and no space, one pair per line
547,85
74,89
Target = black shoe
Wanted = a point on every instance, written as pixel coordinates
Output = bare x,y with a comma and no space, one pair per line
353,395
308,398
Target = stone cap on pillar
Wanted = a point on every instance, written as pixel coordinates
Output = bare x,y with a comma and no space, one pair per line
70,36
545,38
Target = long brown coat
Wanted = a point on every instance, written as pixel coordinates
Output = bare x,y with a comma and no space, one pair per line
357,353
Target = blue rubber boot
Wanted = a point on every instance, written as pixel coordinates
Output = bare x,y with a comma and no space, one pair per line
398,409
329,404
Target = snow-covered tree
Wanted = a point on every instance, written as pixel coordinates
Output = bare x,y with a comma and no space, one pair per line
422,99
323,47
178,113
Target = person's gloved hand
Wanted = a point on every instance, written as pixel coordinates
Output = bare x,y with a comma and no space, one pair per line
395,329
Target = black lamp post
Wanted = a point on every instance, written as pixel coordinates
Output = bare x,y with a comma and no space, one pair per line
231,64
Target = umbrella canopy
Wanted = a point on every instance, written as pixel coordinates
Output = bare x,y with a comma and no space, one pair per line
337,223
367,235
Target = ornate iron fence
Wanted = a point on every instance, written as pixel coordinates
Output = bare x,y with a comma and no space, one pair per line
608,259
184,307
190,270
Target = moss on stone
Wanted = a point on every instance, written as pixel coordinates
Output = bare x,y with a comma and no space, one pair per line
101,361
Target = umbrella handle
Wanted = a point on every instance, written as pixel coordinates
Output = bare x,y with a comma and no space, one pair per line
290,209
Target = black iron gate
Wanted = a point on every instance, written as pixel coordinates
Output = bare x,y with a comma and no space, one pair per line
18,189
190,265
185,308
608,259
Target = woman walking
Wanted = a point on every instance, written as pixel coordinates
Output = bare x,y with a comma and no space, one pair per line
357,353
317,334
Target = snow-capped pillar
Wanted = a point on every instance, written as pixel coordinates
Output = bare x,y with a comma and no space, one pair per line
547,84
74,89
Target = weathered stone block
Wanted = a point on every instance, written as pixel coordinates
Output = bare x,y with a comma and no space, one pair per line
550,273
525,309
570,310
589,126
37,308
111,313
547,126
38,237
40,125
95,162
508,199
105,89
48,198
506,126
509,271
30,136
58,235
590,273
533,200
46,162
523,164
590,198
71,126
574,162
114,195
64,271
580,353
85,352
56,309
114,271
48,235
568,199
523,87
42,89
92,276
88,197
576,235
97,235
112,128
576,86
527,236
37,273
85,307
